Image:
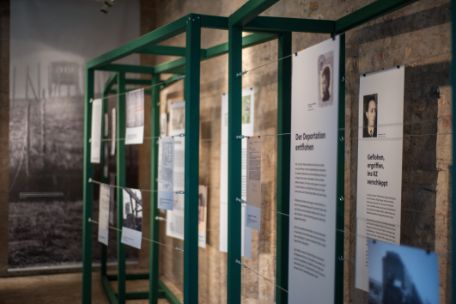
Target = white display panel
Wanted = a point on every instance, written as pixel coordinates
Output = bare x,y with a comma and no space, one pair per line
175,217
313,174
379,183
132,217
165,173
248,109
103,214
95,137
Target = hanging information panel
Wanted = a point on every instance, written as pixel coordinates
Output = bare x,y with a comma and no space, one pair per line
134,133
313,173
95,138
379,184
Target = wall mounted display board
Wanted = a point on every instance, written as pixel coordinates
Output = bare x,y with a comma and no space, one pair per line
313,173
379,183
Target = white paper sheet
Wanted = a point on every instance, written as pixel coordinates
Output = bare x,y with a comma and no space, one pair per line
248,106
379,184
253,208
134,133
103,214
165,173
95,137
175,217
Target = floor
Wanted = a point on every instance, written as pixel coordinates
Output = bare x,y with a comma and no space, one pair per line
54,289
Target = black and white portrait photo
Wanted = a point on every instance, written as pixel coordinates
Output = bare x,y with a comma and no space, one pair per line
370,105
325,79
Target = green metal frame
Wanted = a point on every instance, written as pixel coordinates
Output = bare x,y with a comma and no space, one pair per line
188,68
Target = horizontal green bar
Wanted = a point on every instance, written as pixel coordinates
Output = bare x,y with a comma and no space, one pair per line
217,50
249,10
108,290
163,50
156,36
279,24
138,295
132,276
138,81
171,80
369,12
215,22
127,68
169,295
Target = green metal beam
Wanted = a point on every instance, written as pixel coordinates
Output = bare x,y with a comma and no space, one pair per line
162,50
234,164
109,83
340,214
283,165
171,80
249,10
121,178
127,68
139,295
131,276
215,51
214,22
154,225
191,164
87,192
169,295
368,13
156,36
279,24
112,298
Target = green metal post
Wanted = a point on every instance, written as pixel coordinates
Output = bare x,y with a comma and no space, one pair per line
283,165
234,163
87,192
192,94
120,165
104,179
339,281
453,167
154,226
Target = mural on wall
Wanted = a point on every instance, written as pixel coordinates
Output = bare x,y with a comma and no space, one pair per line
50,42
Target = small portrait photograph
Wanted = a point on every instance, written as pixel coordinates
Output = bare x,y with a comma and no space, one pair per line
132,209
325,79
402,275
246,108
370,106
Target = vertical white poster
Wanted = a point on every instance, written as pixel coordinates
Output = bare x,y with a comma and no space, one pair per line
95,137
103,214
379,179
313,173
253,207
113,131
248,106
134,133
132,217
165,173
202,215
175,217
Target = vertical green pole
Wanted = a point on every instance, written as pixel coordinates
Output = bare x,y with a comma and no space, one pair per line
154,226
453,167
120,165
87,192
105,179
234,163
339,282
192,95
283,165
